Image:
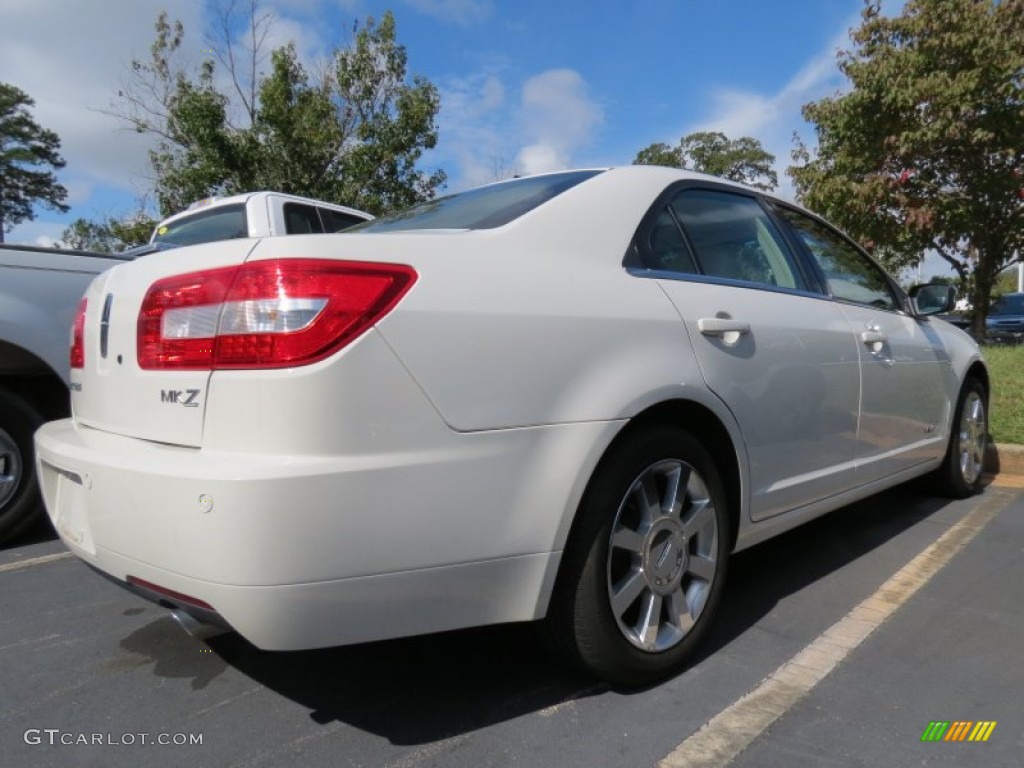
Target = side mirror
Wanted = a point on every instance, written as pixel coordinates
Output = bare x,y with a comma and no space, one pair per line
933,298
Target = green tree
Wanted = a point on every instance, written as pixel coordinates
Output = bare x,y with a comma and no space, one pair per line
354,135
1006,282
26,151
924,151
108,235
744,160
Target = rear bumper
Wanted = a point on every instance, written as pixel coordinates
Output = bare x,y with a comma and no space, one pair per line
317,551
292,617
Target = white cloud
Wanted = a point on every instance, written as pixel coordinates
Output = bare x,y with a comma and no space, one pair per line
463,13
558,116
772,118
471,126
72,68
486,136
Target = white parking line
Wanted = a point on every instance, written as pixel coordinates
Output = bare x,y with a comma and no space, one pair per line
732,730
41,560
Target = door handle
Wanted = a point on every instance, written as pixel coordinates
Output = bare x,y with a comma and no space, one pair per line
727,329
873,337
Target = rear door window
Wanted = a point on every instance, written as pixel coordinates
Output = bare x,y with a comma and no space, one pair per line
734,238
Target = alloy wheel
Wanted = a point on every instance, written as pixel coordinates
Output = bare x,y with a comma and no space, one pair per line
662,555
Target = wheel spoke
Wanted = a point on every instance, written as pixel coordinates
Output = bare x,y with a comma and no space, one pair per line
625,593
679,611
701,567
650,621
646,494
675,491
629,540
699,520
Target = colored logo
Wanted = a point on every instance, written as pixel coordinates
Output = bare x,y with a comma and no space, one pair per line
958,730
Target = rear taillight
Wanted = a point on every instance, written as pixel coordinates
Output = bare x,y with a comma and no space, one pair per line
78,336
264,314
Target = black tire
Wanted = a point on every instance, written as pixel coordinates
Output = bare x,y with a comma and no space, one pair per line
671,561
20,502
960,474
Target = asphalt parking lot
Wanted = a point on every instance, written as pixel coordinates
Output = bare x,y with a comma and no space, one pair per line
93,676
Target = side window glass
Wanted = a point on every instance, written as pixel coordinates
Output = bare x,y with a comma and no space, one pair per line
668,251
850,275
734,238
335,221
301,219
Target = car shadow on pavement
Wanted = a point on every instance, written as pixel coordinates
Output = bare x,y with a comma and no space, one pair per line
419,690
39,531
765,574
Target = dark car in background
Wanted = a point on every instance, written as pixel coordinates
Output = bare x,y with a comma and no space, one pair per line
1005,321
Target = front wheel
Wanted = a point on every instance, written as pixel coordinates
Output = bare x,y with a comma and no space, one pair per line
961,472
644,568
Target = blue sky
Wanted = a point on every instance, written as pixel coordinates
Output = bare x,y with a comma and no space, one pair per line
526,86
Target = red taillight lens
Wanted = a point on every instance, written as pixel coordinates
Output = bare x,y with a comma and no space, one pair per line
264,314
194,302
78,336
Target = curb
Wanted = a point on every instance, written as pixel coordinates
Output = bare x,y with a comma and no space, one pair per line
1004,458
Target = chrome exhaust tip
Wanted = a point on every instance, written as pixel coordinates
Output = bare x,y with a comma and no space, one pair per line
197,629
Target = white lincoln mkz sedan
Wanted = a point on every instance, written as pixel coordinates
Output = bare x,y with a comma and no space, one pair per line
564,398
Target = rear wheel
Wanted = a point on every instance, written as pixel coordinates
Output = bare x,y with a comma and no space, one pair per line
20,504
961,472
644,569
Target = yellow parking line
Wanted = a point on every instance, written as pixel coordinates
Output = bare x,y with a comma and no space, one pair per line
732,730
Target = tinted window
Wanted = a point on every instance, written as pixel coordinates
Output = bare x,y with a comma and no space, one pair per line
850,274
335,221
734,238
301,219
667,249
222,223
481,208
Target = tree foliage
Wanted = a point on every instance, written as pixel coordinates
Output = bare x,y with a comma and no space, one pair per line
743,160
924,150
110,234
352,135
29,154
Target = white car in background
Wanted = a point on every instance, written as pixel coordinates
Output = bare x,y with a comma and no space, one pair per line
566,398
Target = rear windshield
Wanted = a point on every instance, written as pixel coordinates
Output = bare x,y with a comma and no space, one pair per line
223,223
1008,304
481,208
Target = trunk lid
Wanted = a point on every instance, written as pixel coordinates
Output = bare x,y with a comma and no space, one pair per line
111,392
